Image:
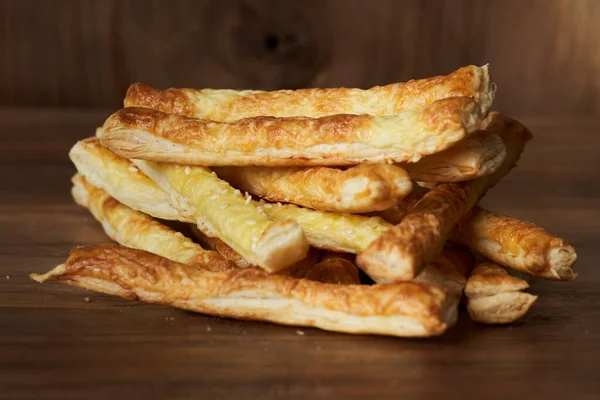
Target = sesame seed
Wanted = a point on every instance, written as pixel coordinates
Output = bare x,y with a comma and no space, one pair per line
248,200
237,192
223,206
187,170
300,333
214,196
278,204
133,169
268,205
251,222
213,173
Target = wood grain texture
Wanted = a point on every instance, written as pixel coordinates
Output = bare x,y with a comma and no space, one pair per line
55,344
85,53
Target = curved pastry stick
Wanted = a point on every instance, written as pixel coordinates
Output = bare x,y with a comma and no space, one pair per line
400,253
394,214
220,211
231,105
399,309
495,297
336,268
520,245
478,155
343,139
137,230
105,170
359,189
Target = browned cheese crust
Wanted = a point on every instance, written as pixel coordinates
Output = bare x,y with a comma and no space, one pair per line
495,297
400,253
360,189
231,105
137,230
399,309
520,245
341,139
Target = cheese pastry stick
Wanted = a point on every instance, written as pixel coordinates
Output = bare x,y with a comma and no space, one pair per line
478,155
448,271
344,233
220,211
105,170
231,105
519,245
359,189
495,297
140,133
326,230
137,230
404,309
337,268
400,253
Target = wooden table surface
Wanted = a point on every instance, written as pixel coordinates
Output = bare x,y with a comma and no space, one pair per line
57,341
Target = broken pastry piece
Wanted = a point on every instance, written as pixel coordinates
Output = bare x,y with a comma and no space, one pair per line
220,211
495,297
405,309
519,245
400,253
134,229
359,189
336,140
232,105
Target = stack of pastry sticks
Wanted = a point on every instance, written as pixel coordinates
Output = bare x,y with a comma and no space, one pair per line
289,193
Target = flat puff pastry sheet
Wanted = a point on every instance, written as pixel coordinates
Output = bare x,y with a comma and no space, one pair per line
400,253
231,105
478,155
359,189
495,297
519,245
137,230
400,309
220,211
343,139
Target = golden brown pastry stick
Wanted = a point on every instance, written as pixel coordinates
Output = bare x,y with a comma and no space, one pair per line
139,133
231,105
106,170
400,309
331,231
337,268
220,211
478,155
400,253
495,297
137,230
520,245
359,189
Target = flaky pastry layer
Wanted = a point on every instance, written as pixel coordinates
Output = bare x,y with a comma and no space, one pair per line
495,297
231,105
336,268
223,212
359,189
399,309
134,229
400,253
478,155
342,139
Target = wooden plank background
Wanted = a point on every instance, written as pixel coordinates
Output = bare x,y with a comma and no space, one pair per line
83,53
